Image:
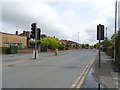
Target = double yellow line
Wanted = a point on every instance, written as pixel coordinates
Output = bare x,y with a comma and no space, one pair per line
79,81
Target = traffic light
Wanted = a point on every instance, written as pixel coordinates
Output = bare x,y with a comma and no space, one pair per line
100,31
33,28
38,33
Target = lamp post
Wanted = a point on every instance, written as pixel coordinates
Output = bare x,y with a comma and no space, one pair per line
115,30
78,37
106,32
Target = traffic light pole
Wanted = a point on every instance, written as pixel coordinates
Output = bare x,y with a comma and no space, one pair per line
35,42
99,47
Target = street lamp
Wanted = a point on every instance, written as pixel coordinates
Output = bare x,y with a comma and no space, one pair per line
115,29
78,37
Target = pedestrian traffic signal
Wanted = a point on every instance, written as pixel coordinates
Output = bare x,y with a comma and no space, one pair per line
38,33
100,32
33,28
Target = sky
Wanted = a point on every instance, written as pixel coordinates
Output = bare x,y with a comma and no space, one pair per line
119,15
74,20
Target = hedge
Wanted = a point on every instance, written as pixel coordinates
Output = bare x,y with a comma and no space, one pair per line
118,48
5,50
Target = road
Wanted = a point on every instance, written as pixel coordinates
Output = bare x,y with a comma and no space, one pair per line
53,72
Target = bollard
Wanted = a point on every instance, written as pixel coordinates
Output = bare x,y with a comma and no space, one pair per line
56,51
98,86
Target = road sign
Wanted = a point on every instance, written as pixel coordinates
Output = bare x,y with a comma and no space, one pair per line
100,31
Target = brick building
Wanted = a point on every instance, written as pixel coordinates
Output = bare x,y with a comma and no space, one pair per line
12,39
26,34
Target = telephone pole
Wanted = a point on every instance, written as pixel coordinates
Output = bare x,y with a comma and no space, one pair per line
106,32
78,37
115,30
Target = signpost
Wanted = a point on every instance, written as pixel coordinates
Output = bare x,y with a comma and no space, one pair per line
100,36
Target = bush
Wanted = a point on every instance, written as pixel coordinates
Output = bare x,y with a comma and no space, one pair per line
77,46
118,48
68,46
51,42
61,47
110,50
5,50
110,47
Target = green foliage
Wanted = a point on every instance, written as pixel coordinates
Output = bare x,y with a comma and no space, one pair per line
5,50
61,47
68,45
106,42
110,47
113,38
77,46
97,45
117,45
51,42
32,43
91,46
85,45
82,45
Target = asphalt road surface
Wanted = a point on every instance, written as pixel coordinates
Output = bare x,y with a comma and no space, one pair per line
53,72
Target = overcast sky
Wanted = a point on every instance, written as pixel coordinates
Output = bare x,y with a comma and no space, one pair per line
60,18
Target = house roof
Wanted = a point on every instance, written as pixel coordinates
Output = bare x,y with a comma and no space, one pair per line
11,34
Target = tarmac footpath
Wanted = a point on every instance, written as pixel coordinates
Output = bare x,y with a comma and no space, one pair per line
106,75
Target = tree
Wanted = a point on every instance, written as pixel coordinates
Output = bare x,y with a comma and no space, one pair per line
106,42
61,47
68,45
51,42
32,43
82,45
86,45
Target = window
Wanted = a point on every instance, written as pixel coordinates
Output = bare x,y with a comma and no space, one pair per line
6,44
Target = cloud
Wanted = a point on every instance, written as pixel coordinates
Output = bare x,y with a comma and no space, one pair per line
22,15
63,19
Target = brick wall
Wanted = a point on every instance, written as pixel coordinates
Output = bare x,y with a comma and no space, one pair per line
25,50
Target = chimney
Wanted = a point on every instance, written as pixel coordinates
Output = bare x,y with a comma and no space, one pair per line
24,33
16,32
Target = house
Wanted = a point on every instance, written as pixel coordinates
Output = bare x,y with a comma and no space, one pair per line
25,34
13,40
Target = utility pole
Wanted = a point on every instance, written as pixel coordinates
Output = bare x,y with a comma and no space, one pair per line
106,32
115,30
78,37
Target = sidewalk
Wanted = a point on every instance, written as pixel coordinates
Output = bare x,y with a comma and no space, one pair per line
105,75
